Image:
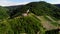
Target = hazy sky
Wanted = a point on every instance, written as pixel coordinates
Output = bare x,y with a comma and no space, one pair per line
19,2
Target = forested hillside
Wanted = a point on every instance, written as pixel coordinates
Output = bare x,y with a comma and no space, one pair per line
32,18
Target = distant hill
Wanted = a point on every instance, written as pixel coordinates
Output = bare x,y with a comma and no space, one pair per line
58,5
13,7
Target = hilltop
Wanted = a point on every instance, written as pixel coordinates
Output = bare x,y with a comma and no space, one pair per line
58,5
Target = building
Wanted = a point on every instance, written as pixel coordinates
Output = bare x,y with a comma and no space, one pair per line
25,13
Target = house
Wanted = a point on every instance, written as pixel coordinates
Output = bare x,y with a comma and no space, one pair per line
25,13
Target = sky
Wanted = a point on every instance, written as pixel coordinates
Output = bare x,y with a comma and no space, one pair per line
20,2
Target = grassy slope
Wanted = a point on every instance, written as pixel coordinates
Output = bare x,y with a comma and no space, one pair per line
47,22
29,24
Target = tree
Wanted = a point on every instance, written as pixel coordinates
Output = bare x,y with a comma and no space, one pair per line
3,13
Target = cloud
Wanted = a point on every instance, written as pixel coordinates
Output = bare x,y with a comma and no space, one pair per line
56,2
52,1
19,2
9,3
